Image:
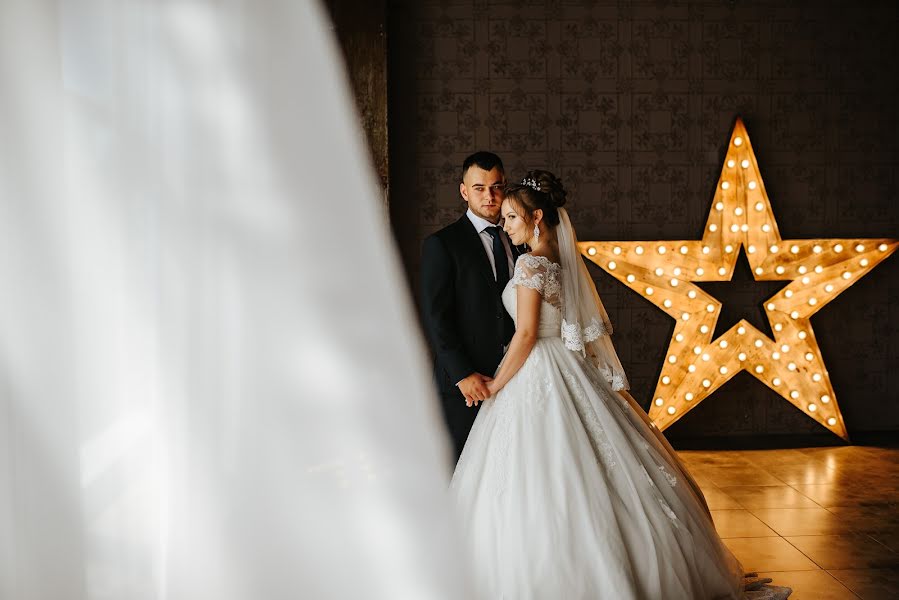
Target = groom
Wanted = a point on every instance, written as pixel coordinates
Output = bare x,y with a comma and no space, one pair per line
465,267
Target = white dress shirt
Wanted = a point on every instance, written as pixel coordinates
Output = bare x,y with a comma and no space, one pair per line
481,226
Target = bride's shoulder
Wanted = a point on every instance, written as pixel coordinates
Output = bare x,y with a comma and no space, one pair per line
532,260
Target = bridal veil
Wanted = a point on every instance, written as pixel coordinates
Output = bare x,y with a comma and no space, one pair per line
585,323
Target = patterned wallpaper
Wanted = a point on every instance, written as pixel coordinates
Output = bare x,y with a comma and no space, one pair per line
632,104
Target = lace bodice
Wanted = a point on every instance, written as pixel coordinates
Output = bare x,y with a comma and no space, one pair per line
541,274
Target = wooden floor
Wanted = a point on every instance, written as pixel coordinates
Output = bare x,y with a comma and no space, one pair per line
824,521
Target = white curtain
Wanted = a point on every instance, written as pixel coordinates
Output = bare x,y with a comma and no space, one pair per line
211,386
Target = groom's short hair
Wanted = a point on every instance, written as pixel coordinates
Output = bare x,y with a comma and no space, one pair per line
483,159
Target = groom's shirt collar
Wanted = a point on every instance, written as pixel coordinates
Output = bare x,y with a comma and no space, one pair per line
479,224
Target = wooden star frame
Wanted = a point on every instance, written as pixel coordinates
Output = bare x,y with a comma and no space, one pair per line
818,270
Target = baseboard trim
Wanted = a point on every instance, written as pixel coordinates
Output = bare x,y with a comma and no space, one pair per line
768,442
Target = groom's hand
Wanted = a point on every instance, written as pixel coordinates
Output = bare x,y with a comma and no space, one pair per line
474,388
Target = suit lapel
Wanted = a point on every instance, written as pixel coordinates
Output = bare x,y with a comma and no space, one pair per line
474,247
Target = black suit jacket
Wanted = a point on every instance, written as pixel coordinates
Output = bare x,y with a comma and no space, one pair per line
463,313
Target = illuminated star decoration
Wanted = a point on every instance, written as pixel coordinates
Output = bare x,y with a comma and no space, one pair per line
818,271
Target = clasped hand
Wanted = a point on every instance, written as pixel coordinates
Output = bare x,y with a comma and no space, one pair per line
477,388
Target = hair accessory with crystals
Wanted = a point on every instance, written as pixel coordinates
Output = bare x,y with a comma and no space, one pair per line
531,183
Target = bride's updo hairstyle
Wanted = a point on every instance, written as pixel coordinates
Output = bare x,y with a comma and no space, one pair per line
538,189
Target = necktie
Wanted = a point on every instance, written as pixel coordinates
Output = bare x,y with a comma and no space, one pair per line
499,258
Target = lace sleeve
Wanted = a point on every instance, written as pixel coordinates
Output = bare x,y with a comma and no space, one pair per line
530,272
541,274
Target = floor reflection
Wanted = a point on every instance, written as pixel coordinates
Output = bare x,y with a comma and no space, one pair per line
824,521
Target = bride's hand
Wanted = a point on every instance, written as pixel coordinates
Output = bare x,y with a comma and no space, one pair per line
492,388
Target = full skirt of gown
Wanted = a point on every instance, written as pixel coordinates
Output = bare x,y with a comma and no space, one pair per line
565,491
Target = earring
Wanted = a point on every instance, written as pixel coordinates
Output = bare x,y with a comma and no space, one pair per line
536,234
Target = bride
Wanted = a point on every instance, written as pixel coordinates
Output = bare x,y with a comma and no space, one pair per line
566,488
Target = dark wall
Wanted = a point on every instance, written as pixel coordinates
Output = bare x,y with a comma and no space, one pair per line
360,26
632,103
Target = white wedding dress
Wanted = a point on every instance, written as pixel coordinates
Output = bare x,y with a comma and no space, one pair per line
567,493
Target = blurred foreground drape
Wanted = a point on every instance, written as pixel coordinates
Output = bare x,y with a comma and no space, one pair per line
211,386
